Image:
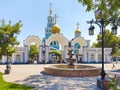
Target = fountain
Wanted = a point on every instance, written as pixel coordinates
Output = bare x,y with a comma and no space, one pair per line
72,70
70,60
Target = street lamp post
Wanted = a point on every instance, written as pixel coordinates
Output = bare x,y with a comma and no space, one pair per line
43,50
101,23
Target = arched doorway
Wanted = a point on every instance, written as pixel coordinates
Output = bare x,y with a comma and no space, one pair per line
61,39
79,44
33,53
27,42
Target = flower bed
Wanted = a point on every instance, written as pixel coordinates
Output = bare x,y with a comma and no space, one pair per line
112,82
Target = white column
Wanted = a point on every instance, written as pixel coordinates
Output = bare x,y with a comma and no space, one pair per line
3,59
96,57
40,54
88,57
22,57
50,57
84,54
13,58
26,54
108,57
46,54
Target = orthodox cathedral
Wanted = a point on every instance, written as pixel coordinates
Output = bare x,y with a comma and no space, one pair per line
54,40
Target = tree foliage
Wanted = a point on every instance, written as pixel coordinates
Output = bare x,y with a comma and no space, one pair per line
33,52
110,12
110,8
56,52
8,37
110,41
118,52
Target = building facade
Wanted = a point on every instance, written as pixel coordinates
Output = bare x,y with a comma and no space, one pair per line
55,40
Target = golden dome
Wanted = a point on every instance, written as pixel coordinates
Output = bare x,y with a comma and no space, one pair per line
55,29
77,31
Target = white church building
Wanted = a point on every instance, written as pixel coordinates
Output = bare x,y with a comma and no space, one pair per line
54,39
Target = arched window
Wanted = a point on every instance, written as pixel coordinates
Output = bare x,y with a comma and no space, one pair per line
76,48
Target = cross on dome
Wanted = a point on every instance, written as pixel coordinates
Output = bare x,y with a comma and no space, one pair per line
55,18
78,25
50,9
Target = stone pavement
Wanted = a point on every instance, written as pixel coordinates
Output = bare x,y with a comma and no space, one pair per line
32,75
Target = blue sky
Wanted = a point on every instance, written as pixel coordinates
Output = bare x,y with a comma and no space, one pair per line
34,13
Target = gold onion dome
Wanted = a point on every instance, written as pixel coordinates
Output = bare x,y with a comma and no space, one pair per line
55,29
77,30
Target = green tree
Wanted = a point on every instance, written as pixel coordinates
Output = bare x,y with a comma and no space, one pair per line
94,44
119,52
56,52
110,41
8,37
111,8
33,52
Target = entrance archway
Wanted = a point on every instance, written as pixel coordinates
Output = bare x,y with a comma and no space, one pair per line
27,42
62,40
79,44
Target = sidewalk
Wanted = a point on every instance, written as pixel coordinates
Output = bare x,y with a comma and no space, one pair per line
32,75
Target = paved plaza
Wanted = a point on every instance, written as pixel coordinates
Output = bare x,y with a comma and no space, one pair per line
33,75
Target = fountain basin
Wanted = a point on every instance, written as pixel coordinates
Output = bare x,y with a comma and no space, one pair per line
72,70
70,61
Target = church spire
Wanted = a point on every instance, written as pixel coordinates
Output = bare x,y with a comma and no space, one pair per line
50,9
78,25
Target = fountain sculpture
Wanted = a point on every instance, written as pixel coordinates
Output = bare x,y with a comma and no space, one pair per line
70,60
